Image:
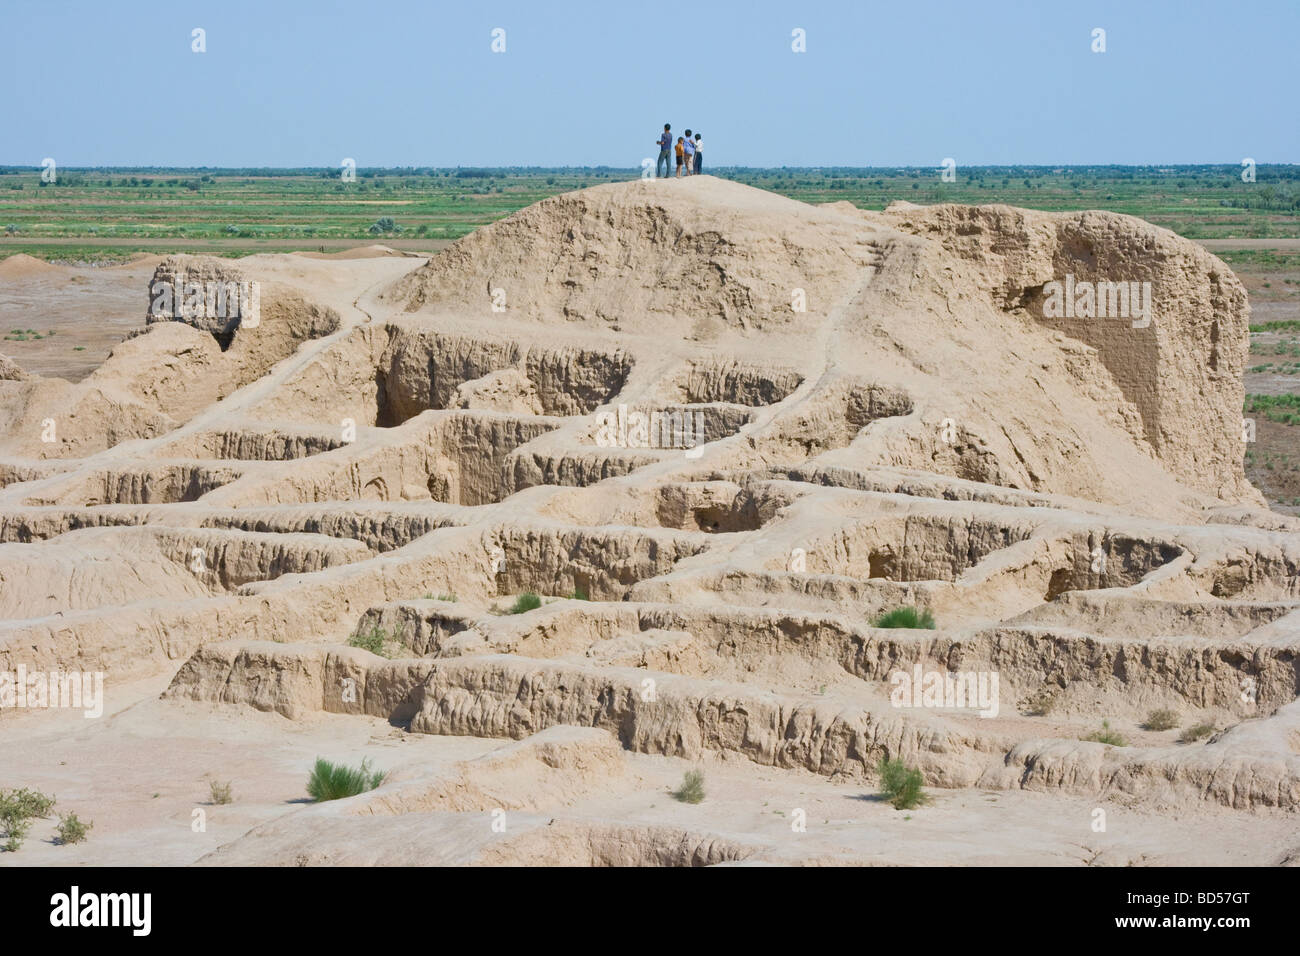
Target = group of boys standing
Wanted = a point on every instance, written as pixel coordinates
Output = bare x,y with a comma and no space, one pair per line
690,153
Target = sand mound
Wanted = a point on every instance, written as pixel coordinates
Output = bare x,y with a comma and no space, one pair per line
185,361
907,301
361,252
10,370
139,259
705,437
20,266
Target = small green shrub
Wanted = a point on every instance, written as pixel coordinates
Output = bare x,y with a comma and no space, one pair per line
220,793
71,830
331,781
376,640
371,639
1162,720
905,617
692,788
528,601
901,785
30,803
15,831
1193,734
579,594
1107,736
17,810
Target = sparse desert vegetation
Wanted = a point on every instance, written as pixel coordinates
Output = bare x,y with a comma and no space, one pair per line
906,617
375,639
220,793
18,809
525,603
1196,732
72,829
334,781
692,788
901,785
1162,719
1107,736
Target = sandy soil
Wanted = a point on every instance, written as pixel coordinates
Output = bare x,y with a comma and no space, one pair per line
141,773
80,314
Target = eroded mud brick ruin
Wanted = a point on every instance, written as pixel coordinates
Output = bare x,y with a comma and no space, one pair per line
890,418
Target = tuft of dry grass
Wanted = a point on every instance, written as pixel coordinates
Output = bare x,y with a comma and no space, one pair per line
1162,720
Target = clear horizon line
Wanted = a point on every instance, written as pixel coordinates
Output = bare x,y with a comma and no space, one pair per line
36,168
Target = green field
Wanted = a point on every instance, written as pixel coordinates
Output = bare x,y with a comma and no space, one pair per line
93,214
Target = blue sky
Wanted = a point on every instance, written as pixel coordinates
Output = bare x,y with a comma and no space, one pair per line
289,83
